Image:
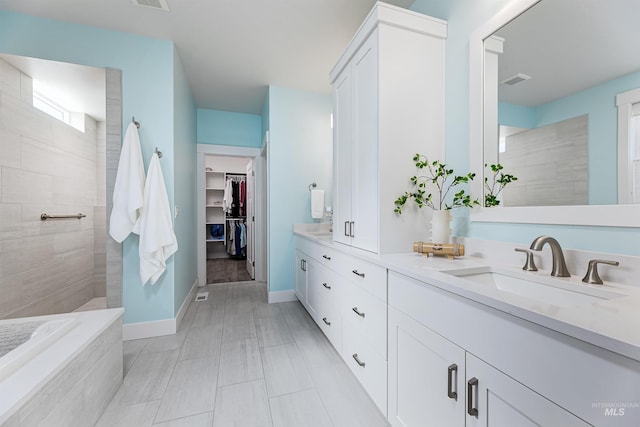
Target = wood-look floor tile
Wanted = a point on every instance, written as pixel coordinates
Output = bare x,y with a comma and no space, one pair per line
191,390
244,404
238,325
285,370
240,361
200,420
202,342
148,377
273,330
120,415
301,409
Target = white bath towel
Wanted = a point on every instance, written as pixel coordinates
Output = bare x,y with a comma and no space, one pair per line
157,239
128,192
317,204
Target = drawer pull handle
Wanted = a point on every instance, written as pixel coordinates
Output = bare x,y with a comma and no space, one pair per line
327,257
326,286
357,273
355,357
324,319
356,311
471,384
451,371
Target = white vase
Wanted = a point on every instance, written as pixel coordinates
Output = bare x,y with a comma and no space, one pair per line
440,226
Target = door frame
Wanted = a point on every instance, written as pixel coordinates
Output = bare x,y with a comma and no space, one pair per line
260,237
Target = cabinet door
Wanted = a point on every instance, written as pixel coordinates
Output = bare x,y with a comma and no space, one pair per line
364,203
426,376
501,401
301,277
314,277
342,163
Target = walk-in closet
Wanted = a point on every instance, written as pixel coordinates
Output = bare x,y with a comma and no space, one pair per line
229,204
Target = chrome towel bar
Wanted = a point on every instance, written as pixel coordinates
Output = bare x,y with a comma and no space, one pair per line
45,216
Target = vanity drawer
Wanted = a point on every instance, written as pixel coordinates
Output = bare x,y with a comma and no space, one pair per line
321,253
366,316
370,368
369,277
330,321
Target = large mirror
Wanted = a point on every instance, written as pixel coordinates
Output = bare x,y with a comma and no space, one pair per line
555,95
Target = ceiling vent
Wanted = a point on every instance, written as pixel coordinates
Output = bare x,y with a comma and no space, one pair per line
153,4
514,80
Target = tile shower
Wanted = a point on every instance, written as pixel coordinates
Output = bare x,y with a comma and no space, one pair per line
47,166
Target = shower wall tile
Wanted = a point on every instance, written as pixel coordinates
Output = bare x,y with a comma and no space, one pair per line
21,118
26,89
10,149
49,167
9,79
551,164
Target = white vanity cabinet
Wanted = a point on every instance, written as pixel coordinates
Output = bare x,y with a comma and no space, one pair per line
435,382
526,374
388,105
301,274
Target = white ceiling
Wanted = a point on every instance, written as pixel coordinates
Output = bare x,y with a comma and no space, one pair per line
567,46
231,50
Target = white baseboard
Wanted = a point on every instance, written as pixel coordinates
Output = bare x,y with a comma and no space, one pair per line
186,302
157,328
282,296
139,330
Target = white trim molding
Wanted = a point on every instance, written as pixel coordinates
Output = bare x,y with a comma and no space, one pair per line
282,296
158,328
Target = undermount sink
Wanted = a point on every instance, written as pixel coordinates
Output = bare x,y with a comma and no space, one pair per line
545,289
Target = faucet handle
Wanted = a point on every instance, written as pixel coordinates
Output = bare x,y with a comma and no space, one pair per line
592,277
529,265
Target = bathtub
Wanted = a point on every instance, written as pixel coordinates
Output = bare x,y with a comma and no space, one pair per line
59,370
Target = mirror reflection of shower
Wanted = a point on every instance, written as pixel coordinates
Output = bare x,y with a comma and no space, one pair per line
52,161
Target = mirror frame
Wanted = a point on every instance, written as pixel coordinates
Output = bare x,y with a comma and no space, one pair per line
591,215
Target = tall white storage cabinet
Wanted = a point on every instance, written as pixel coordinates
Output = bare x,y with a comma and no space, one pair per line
388,106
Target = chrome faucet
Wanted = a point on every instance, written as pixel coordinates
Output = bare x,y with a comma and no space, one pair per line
559,267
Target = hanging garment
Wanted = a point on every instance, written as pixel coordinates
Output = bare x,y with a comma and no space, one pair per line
243,235
227,199
238,240
157,239
235,207
231,235
128,191
243,195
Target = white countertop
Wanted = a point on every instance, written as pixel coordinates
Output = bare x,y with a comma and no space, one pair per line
612,324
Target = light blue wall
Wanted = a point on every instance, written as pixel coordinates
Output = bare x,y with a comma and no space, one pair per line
300,152
465,16
516,115
227,128
147,93
186,264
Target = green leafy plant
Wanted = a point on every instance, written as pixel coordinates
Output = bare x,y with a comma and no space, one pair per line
499,180
444,181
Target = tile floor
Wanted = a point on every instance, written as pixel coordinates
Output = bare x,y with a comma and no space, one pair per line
238,361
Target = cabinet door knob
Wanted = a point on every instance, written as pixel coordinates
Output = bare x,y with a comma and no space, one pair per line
357,273
326,286
471,409
324,319
452,371
355,357
328,258
356,311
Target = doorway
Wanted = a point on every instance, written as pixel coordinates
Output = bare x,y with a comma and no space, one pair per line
229,221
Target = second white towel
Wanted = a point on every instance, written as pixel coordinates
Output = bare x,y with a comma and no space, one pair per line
317,204
157,239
